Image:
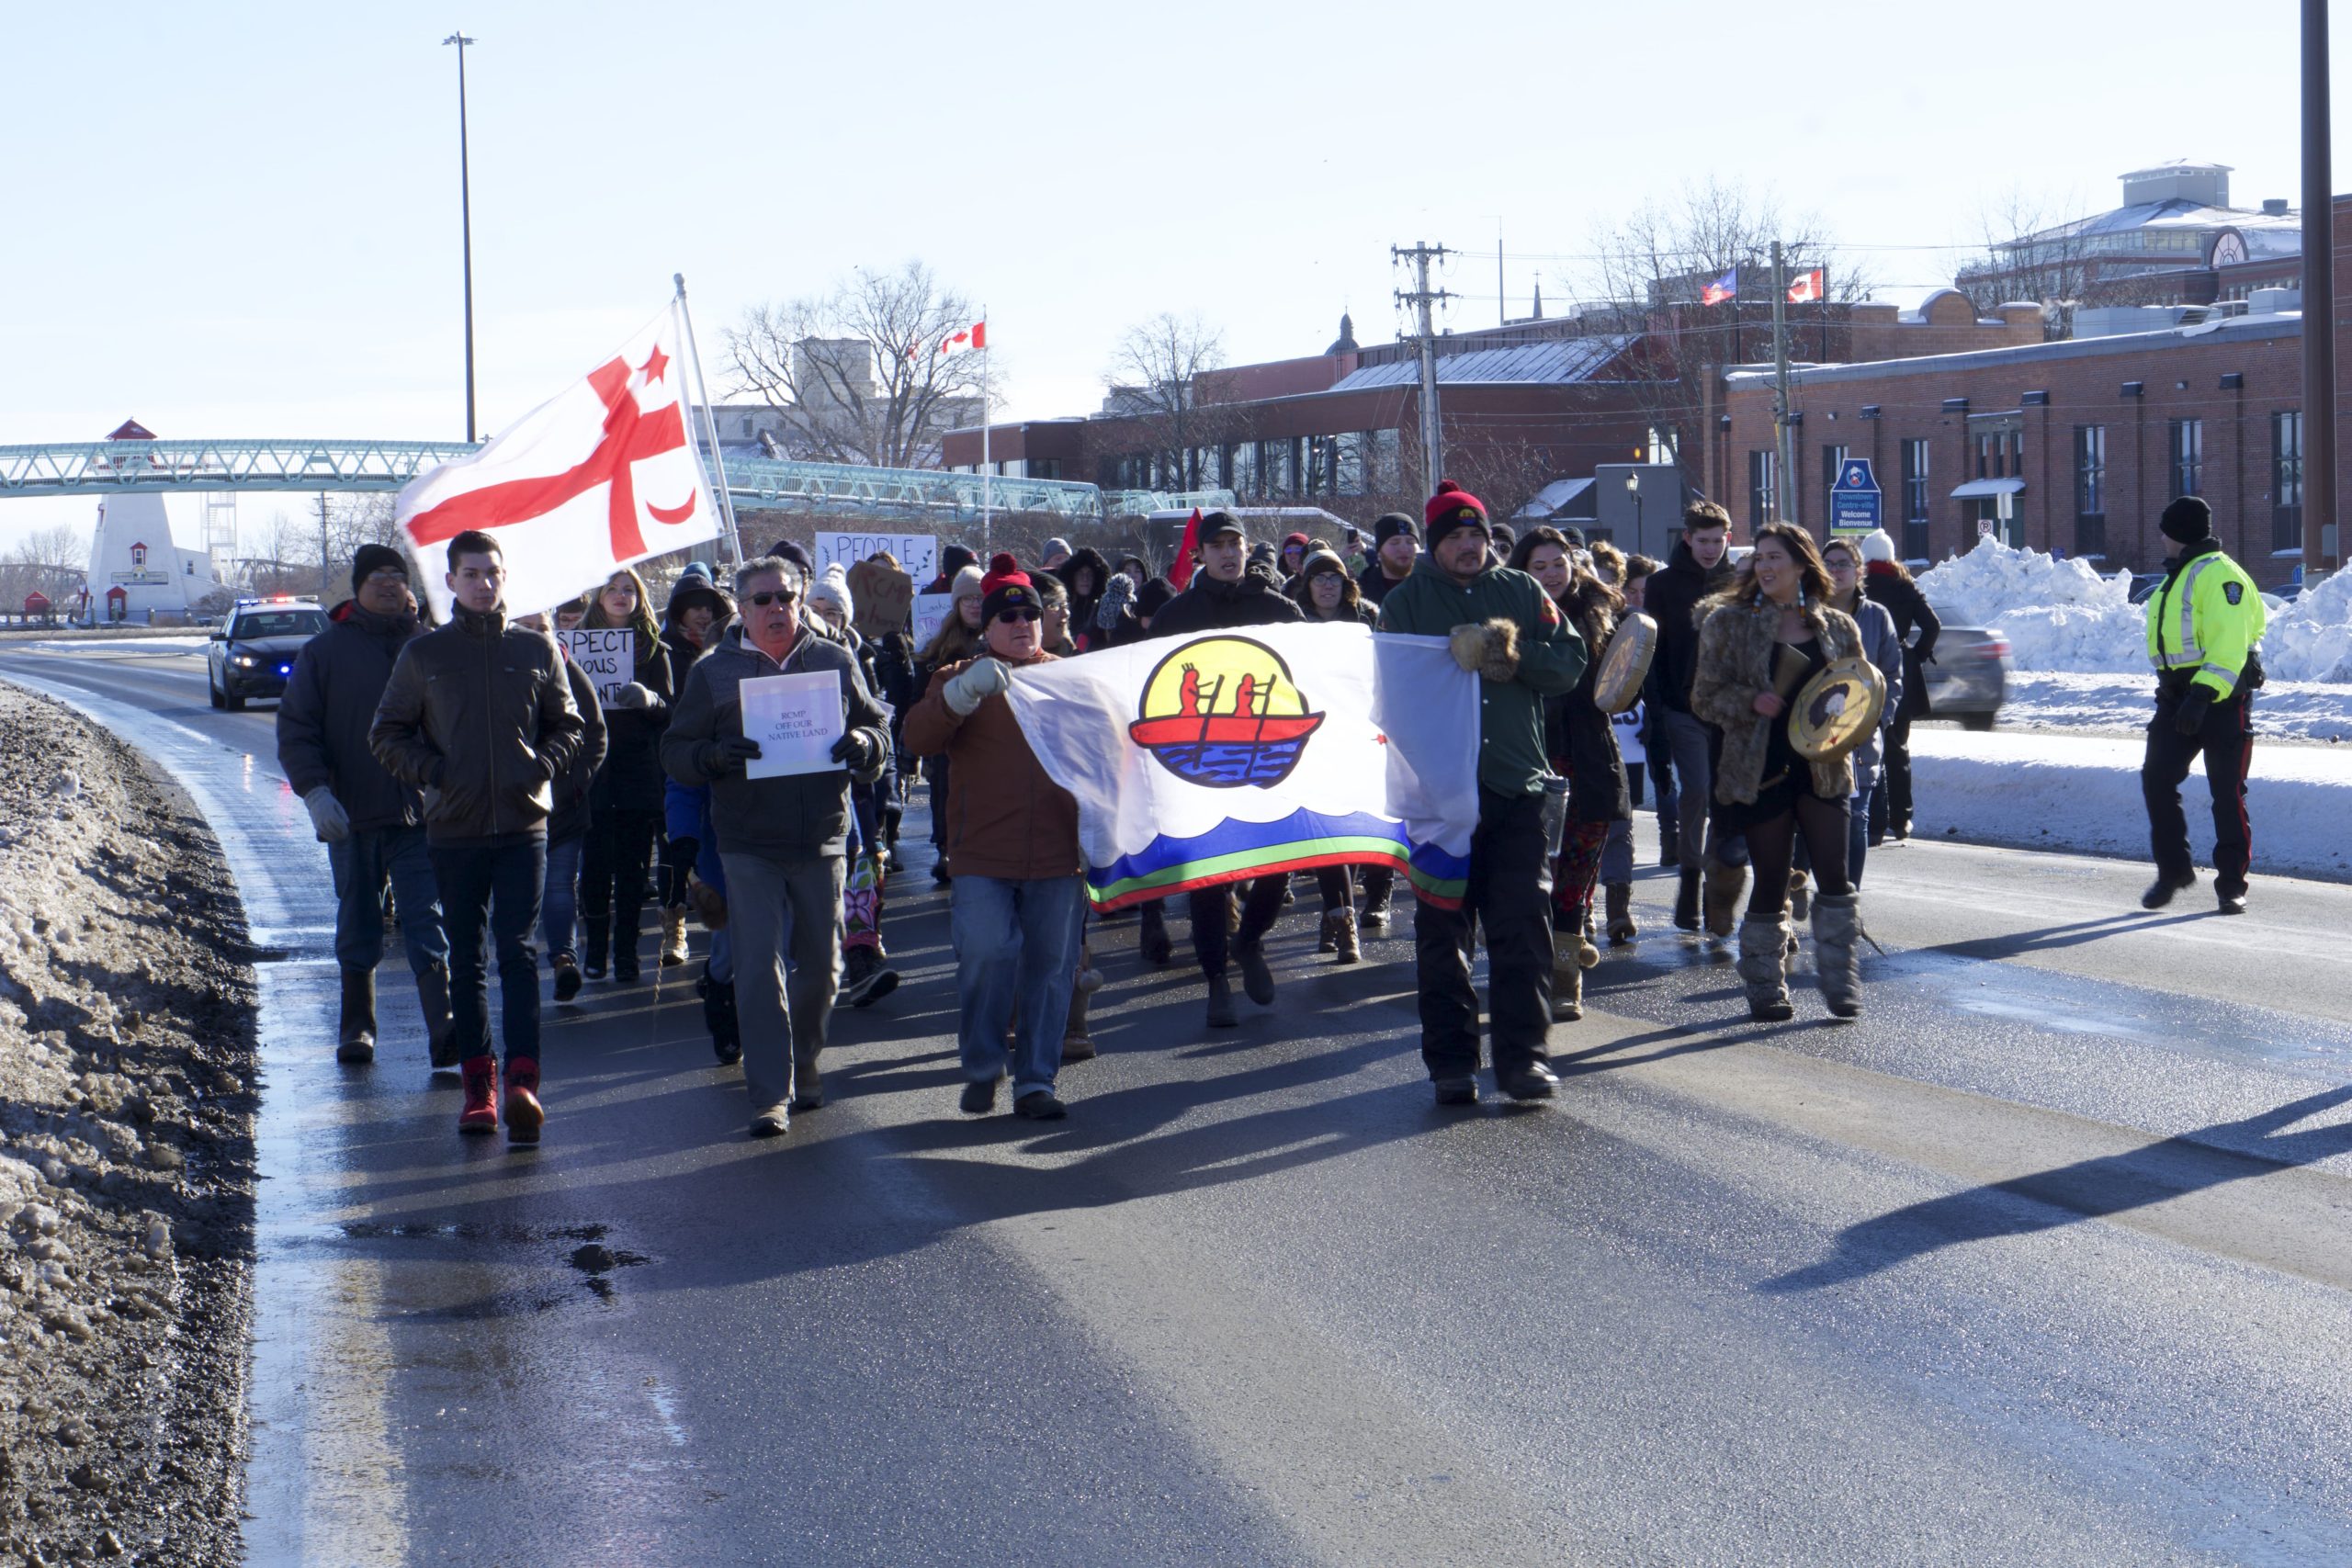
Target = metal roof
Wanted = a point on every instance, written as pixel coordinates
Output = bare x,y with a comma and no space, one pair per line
1560,360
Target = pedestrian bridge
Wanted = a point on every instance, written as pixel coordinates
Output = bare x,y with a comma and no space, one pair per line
753,484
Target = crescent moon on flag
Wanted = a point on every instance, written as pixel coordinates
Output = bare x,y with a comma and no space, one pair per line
671,514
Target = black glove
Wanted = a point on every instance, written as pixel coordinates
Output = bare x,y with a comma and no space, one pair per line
2190,719
854,750
728,755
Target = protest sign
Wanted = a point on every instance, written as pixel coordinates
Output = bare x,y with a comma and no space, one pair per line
607,656
796,719
917,554
931,609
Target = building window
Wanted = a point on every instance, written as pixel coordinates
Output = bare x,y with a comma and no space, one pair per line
2286,480
2187,457
2090,489
1762,504
1384,463
1915,499
1833,461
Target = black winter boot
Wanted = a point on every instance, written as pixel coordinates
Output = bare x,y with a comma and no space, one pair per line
432,995
1152,938
719,1017
1686,902
355,1040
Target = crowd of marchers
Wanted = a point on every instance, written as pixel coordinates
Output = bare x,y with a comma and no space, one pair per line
477,792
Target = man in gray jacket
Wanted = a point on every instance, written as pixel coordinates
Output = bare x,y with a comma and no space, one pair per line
781,840
478,714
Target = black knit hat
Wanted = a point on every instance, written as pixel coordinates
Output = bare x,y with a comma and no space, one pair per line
373,558
2188,519
954,559
1153,596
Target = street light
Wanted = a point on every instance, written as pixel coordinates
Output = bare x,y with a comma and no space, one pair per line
1634,489
465,219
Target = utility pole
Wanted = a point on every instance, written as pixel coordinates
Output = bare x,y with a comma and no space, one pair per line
1502,299
326,564
1423,299
466,221
1783,444
2321,541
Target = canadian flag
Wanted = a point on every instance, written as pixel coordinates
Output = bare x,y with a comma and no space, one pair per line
599,477
973,336
1806,288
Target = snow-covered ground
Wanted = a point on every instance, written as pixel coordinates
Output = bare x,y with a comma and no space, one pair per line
2315,712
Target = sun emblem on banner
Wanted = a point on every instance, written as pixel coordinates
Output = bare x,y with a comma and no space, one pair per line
1222,713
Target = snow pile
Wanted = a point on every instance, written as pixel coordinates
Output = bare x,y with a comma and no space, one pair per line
2311,640
2058,615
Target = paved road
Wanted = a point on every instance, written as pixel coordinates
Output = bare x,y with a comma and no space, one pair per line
2043,1261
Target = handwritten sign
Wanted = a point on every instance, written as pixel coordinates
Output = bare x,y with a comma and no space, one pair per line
931,611
608,657
917,554
796,719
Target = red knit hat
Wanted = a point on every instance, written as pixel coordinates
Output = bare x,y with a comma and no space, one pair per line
1004,586
1452,507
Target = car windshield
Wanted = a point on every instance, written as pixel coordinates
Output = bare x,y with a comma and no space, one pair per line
280,622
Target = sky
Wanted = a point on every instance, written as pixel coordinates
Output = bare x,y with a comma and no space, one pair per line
243,220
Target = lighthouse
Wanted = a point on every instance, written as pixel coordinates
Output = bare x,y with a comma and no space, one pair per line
136,571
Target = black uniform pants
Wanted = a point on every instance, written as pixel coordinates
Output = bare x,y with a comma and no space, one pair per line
612,878
2226,741
1262,900
1508,896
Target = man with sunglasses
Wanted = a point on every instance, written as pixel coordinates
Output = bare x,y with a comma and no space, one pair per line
781,841
1018,900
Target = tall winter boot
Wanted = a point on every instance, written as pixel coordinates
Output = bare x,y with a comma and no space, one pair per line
1342,923
523,1115
1622,929
355,1040
1587,953
1669,842
1221,1014
719,1017
1568,976
1837,926
1077,1042
1152,934
673,937
1686,902
441,1037
480,1112
1727,885
1763,946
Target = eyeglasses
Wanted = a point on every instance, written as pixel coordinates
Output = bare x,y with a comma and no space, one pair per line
775,596
1007,617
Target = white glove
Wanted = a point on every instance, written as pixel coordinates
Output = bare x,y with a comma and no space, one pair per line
636,695
984,679
327,816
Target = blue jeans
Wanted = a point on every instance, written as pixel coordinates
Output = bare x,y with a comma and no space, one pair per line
1016,951
1857,833
559,901
361,863
492,896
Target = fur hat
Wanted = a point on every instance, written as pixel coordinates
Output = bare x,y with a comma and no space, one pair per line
1452,507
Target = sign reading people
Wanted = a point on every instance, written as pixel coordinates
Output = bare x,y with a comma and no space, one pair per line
1234,755
917,554
608,657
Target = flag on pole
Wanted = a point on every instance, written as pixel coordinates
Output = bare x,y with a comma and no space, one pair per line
1180,570
973,336
1238,754
1806,288
599,477
1722,288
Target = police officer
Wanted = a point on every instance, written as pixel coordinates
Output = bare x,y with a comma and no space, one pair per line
2203,627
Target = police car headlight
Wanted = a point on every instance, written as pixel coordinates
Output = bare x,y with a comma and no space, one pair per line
244,660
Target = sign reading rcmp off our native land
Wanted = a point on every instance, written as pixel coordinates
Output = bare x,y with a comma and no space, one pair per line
1229,756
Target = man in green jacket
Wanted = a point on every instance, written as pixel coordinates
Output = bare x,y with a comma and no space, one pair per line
1503,625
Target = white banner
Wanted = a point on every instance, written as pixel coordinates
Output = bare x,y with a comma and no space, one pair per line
796,719
606,655
932,611
917,554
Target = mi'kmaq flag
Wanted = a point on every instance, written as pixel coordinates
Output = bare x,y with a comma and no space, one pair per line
1257,752
599,477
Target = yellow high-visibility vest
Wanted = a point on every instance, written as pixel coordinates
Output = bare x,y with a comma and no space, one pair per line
2208,616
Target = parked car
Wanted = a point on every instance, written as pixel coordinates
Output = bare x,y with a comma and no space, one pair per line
253,653
2144,584
1969,679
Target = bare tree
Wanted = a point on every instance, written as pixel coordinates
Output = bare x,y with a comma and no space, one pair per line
858,374
2027,254
52,561
1156,377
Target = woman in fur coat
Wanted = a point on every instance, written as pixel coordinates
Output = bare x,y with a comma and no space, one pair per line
1763,788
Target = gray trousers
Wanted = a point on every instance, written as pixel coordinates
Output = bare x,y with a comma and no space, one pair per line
1694,774
777,909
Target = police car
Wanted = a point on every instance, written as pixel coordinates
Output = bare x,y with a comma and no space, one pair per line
253,653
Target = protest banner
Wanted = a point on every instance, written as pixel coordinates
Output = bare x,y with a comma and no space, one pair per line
931,610
917,554
796,719
607,656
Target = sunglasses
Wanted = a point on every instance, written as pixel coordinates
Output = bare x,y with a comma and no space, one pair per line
777,596
1007,617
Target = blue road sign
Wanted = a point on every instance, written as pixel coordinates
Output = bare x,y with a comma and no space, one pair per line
1854,504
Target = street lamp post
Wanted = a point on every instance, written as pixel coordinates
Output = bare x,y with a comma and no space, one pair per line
466,221
1633,488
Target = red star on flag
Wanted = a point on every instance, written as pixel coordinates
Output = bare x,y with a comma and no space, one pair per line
655,363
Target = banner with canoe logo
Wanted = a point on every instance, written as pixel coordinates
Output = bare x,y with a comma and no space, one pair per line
1237,754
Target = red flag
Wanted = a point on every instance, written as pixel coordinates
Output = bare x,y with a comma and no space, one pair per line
973,336
1806,288
1179,573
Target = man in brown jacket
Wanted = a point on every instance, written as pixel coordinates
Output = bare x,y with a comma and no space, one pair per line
1018,901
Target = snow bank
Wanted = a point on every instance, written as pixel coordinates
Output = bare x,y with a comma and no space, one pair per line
2062,616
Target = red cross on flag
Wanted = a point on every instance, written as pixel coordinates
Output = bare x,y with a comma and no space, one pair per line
599,477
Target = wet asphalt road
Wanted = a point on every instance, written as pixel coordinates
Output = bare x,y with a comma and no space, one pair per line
2043,1261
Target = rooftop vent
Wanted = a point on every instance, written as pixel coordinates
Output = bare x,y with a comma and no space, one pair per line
2274,207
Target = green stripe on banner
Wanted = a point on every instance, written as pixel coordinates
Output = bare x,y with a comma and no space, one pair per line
1262,860
1447,890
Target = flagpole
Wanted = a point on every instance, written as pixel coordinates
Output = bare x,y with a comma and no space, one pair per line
988,473
709,420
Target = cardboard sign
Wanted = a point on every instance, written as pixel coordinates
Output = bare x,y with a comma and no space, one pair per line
796,719
608,658
917,554
885,599
931,611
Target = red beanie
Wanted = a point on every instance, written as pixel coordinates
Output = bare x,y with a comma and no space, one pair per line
1004,586
1452,507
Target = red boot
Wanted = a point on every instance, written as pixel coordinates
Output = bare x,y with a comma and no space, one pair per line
481,1114
524,1113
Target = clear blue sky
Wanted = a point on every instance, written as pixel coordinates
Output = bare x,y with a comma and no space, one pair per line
233,220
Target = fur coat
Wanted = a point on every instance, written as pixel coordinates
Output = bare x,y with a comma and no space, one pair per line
1734,664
